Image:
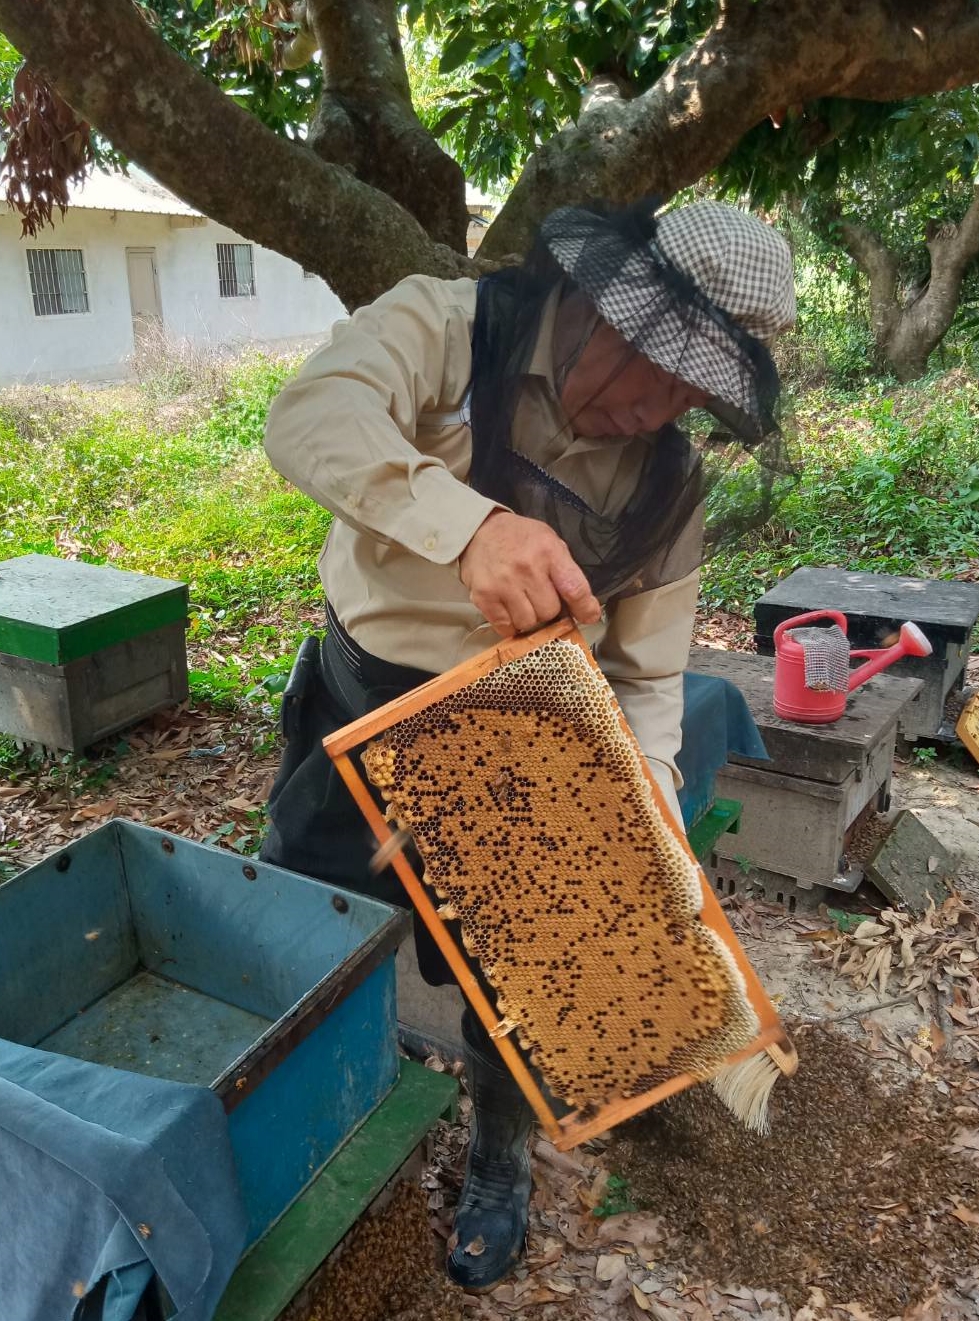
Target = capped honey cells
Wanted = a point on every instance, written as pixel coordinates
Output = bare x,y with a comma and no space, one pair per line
539,831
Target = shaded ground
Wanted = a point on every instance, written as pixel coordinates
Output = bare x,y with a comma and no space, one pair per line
856,1190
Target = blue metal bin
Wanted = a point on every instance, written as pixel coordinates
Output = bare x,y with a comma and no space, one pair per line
148,952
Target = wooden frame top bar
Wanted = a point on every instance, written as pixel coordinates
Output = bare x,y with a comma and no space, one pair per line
359,731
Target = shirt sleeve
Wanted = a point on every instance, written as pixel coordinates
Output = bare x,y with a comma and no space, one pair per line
643,654
344,430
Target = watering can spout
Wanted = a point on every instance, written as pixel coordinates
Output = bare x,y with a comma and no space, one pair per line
911,642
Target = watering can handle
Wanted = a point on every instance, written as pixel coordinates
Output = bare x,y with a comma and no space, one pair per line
796,620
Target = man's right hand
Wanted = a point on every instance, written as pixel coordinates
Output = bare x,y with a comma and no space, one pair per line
520,575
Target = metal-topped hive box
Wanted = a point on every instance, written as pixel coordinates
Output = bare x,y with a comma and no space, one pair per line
86,649
140,950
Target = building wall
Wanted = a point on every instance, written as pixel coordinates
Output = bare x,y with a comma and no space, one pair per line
98,344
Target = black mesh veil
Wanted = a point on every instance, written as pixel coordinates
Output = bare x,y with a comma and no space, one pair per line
615,259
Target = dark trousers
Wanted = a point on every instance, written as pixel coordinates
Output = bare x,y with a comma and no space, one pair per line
315,826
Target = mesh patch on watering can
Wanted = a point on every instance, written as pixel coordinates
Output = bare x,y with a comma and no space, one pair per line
826,654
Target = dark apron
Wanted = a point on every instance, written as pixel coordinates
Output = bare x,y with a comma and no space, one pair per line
316,827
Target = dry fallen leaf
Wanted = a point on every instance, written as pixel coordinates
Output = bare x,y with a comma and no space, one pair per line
640,1299
593,1195
476,1248
965,1214
965,1139
609,1265
557,1285
858,1312
639,1230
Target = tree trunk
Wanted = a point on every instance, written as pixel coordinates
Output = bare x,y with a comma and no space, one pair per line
113,69
907,333
756,60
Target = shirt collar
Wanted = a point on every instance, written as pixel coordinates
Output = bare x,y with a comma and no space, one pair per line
542,359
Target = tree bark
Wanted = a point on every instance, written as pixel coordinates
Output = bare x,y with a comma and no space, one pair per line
906,333
755,60
116,73
366,121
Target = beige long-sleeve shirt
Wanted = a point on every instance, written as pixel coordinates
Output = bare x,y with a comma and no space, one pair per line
373,428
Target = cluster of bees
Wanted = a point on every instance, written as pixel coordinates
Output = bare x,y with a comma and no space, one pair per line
530,808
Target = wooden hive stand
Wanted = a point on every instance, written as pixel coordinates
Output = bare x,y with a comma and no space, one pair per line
876,605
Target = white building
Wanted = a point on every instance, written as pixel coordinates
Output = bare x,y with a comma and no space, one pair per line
127,254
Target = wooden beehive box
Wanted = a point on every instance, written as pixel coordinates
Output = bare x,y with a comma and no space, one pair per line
86,649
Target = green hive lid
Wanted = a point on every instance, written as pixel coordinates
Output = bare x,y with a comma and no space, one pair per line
57,611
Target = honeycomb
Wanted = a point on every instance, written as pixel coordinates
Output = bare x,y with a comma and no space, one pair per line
537,826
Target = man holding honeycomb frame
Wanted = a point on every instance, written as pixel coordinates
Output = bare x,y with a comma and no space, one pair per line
495,455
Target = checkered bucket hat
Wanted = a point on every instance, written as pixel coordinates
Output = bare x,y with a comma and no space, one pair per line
701,291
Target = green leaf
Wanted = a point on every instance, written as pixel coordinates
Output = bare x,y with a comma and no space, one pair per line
457,51
490,55
447,121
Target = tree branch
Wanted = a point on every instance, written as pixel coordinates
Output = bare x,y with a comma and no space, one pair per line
880,266
756,59
953,252
117,74
366,120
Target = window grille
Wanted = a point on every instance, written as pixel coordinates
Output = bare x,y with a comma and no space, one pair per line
57,280
236,270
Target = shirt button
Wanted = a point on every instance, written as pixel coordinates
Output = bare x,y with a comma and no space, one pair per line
431,542
352,501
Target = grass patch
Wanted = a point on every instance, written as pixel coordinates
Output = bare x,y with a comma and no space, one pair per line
103,475
890,484
181,488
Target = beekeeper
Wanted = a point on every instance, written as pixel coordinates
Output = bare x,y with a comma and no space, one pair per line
495,454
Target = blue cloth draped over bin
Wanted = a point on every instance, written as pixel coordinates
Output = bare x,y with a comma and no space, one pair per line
716,722
105,1178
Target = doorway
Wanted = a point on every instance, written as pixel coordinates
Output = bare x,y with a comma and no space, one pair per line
144,293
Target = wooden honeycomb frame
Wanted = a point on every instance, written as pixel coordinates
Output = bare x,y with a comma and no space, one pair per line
590,1120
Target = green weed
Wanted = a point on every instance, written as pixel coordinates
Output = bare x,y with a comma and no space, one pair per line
924,756
889,484
104,476
617,1199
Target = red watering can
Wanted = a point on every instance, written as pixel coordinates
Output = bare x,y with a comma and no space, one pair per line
812,665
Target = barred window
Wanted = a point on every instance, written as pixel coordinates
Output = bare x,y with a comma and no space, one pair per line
236,270
57,280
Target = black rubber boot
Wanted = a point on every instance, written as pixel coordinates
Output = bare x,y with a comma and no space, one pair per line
491,1219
